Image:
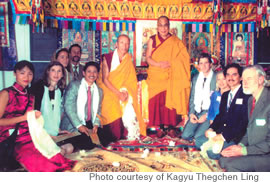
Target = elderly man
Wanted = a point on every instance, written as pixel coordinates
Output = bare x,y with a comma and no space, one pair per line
168,76
119,83
253,152
230,124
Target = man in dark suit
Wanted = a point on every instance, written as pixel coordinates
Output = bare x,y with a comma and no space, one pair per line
75,52
203,85
230,124
253,152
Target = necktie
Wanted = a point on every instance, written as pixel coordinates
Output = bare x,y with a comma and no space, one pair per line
76,74
203,82
230,101
204,79
89,104
253,106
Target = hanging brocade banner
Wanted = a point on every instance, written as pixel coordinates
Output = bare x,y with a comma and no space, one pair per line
85,10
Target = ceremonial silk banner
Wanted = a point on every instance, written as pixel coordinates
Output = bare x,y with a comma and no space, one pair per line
144,30
136,10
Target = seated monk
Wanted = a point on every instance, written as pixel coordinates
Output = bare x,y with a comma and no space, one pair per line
120,108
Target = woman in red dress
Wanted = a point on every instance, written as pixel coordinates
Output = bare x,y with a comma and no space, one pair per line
14,105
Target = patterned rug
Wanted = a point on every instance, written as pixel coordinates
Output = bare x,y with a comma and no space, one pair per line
145,155
98,160
153,144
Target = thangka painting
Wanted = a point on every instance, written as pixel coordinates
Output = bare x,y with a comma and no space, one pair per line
144,30
8,50
85,39
239,48
197,42
109,39
4,34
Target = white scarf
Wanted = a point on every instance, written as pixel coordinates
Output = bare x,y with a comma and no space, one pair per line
115,61
41,139
202,94
82,101
129,118
51,116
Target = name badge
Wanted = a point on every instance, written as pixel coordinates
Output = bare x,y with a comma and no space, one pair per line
239,101
218,98
260,122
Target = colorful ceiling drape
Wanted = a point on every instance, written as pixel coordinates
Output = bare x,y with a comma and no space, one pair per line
184,10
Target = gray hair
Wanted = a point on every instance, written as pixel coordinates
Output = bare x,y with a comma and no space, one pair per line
259,70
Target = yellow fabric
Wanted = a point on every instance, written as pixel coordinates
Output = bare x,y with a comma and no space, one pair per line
123,76
176,79
144,98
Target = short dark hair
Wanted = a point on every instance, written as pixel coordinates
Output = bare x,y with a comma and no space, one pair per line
62,82
60,50
91,63
233,65
205,55
75,45
21,64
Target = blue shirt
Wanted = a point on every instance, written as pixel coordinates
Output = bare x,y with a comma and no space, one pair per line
214,105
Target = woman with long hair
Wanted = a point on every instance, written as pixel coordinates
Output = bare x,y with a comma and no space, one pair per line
16,103
48,94
62,56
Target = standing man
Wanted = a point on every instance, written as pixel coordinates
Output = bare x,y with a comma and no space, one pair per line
119,83
75,52
253,152
203,85
230,124
168,76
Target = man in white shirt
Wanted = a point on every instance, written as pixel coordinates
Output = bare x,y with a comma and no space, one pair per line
230,124
203,85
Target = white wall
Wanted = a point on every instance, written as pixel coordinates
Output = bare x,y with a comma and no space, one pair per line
22,34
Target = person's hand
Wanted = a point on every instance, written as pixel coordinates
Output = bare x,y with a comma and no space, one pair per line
63,132
217,138
164,64
233,150
123,96
202,118
210,133
193,118
37,114
95,128
84,130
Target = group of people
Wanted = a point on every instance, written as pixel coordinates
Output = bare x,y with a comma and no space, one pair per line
224,120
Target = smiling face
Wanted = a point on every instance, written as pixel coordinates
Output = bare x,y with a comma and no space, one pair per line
55,73
204,65
90,74
221,81
75,55
163,27
63,58
122,44
233,78
24,76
